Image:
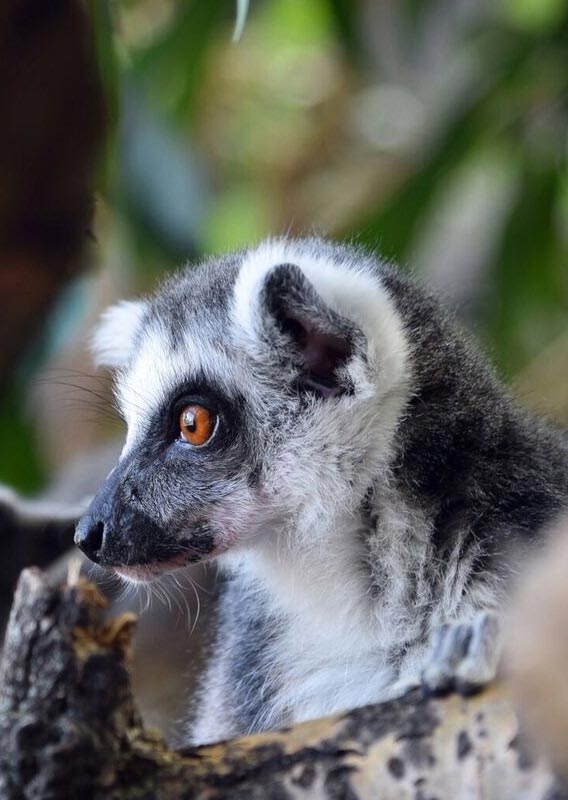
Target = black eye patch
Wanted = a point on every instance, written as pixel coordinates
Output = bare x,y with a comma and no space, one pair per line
182,474
164,428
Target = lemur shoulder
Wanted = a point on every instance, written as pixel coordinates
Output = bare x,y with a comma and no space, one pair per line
320,425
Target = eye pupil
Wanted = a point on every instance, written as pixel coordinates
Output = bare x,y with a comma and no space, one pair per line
197,425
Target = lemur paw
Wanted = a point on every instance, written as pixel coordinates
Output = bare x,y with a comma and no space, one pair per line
463,657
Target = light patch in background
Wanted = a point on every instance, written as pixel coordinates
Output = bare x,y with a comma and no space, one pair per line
388,117
242,11
457,242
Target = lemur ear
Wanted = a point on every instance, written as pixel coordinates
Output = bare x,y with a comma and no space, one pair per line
322,339
112,342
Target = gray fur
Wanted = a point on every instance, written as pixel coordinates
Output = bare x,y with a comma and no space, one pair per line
371,478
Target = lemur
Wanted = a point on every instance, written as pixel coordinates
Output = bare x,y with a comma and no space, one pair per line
312,419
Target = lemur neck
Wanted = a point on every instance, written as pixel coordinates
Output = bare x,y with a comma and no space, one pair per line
321,582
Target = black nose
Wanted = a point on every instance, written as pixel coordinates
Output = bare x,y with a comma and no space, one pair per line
89,536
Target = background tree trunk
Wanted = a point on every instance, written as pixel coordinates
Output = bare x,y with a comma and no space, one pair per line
52,124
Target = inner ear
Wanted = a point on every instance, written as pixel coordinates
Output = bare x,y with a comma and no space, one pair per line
323,354
321,339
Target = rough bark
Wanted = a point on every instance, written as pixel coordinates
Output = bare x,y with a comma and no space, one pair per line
69,728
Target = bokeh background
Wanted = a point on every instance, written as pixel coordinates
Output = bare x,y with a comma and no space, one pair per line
433,131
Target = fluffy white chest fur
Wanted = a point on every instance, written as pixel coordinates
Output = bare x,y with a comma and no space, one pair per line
339,641
326,652
335,637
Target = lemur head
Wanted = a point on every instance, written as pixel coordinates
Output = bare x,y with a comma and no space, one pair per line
260,391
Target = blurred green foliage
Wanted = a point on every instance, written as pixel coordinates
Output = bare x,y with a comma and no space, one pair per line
24,467
280,112
434,132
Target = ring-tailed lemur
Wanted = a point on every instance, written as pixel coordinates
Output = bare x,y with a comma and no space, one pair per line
310,417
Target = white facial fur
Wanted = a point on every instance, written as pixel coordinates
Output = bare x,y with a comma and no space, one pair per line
356,429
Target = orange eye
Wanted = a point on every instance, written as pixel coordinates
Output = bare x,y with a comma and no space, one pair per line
197,425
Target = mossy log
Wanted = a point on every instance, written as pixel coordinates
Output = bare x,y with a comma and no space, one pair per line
70,728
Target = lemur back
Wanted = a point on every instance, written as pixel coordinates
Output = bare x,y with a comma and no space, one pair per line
322,428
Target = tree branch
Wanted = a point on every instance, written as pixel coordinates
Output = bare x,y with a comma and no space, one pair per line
69,728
